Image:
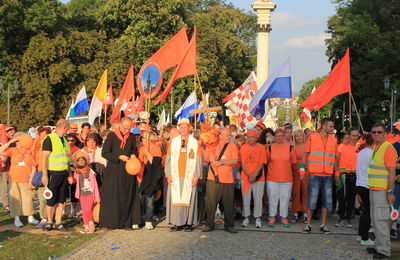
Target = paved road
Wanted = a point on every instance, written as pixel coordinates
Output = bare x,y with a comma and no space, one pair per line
248,243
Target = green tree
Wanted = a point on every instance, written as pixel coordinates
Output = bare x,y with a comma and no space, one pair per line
371,31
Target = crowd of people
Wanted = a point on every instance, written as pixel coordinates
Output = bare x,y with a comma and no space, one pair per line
193,180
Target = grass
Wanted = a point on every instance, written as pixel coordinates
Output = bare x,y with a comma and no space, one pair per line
37,244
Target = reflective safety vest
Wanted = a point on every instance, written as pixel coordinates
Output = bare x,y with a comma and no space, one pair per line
321,159
58,159
378,174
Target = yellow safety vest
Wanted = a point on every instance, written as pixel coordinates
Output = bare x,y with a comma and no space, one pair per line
59,157
378,174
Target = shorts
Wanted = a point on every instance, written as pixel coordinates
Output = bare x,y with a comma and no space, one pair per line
314,186
396,192
58,184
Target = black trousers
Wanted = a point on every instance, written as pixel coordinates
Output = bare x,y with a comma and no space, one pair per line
365,218
347,196
215,193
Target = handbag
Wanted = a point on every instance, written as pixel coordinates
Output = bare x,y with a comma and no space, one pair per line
37,179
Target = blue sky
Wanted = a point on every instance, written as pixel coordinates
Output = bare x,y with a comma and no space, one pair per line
298,31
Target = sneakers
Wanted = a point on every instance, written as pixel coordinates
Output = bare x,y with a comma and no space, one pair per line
135,226
348,224
48,226
149,226
294,219
324,230
42,223
258,223
358,238
32,220
271,222
17,222
368,242
340,223
245,222
285,222
307,229
59,227
332,213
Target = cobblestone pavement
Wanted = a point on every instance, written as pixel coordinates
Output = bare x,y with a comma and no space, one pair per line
248,243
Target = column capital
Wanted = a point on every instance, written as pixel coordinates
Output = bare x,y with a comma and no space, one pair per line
264,28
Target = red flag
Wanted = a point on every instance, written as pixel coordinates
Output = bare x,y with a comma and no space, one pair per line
109,99
338,82
306,115
172,52
126,94
187,66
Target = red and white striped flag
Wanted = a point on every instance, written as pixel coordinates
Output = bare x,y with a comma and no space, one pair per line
109,99
241,97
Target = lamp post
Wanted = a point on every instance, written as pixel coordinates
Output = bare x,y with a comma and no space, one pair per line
16,84
172,105
337,116
393,98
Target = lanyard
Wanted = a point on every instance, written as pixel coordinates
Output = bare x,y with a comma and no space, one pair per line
373,153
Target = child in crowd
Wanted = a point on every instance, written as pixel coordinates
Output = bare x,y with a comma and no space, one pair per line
87,190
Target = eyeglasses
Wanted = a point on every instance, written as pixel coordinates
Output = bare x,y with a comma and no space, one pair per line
70,140
377,132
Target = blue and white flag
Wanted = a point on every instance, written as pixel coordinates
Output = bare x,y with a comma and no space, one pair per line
278,85
81,102
183,111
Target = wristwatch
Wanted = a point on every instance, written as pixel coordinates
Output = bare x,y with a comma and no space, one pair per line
389,192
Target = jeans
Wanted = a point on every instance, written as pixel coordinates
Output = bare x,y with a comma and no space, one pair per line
147,203
396,192
315,184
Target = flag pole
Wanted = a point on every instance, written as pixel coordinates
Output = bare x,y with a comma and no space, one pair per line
318,119
195,102
105,117
358,115
350,107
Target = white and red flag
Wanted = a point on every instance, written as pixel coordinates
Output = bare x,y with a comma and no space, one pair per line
242,96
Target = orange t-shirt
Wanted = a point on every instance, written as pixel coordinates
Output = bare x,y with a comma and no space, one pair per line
224,173
252,157
21,165
389,159
299,151
183,157
348,157
280,162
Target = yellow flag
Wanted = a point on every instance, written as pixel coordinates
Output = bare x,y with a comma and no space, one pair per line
101,90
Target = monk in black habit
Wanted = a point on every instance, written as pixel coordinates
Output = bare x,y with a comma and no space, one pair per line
120,203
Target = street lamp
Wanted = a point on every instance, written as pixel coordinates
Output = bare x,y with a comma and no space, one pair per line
337,116
16,84
393,96
383,104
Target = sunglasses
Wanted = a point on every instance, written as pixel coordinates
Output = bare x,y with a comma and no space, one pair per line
377,132
70,140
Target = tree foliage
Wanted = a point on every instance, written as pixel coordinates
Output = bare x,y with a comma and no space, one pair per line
371,31
54,49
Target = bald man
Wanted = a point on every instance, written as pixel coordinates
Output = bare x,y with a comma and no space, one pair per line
56,156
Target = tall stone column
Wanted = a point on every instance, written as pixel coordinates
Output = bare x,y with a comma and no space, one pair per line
263,8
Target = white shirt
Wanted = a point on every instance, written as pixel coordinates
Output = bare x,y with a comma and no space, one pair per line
362,167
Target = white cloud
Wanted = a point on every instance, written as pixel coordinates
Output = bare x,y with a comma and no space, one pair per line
282,19
310,41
